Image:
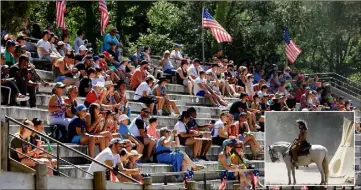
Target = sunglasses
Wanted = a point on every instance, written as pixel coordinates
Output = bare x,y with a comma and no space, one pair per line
239,146
146,111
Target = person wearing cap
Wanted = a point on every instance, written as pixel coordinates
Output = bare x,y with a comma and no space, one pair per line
144,94
96,95
110,38
79,56
134,156
122,69
213,88
139,75
9,53
167,64
121,98
79,40
225,162
183,78
276,102
178,159
57,107
62,70
176,54
195,69
109,97
160,92
125,134
110,156
77,133
20,72
61,48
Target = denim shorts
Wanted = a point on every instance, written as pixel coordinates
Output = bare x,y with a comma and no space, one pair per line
76,139
60,78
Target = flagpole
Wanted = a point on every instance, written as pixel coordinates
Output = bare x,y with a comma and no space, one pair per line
202,36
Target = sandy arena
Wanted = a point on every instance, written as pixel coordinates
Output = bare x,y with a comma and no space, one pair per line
305,176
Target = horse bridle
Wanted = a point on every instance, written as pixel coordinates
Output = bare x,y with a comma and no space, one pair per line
272,154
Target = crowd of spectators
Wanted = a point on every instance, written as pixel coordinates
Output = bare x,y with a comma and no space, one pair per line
105,118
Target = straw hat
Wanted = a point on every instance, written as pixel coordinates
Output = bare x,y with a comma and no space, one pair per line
135,153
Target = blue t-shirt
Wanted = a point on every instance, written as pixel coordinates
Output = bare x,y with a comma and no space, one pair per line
109,38
123,130
191,124
76,122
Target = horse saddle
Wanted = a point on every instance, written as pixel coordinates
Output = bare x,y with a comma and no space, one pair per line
304,149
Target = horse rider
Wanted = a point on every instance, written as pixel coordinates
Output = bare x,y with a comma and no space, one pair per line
301,140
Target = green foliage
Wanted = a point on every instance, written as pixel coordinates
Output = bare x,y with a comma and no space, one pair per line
356,77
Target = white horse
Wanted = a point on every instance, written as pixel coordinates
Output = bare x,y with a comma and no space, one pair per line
318,155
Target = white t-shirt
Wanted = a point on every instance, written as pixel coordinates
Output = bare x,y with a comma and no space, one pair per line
192,71
133,129
141,88
217,125
175,54
261,94
121,67
180,127
197,81
101,79
44,44
104,155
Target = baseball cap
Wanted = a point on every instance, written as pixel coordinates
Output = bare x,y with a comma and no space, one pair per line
144,62
123,117
116,141
83,48
81,107
89,57
96,58
60,43
59,85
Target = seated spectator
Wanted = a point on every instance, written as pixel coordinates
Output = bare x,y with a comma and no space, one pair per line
85,84
111,123
195,69
110,38
44,47
61,48
179,160
122,69
53,41
242,106
275,104
243,133
96,95
77,131
256,105
67,46
220,86
249,86
138,128
139,75
80,54
62,70
219,132
306,100
10,92
225,162
192,123
237,158
124,158
70,100
143,94
231,78
257,87
110,156
95,123
213,88
242,77
57,107
21,144
133,157
121,98
201,89
182,76
125,134
136,57
113,51
188,137
160,92
20,72
109,99
9,53
263,91
167,64
152,128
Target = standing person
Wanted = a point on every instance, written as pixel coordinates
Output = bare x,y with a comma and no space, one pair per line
78,40
110,38
9,53
176,54
138,128
179,160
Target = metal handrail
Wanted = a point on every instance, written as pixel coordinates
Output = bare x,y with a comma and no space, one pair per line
48,153
72,149
331,78
333,73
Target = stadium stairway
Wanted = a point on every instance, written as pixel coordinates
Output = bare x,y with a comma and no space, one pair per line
206,113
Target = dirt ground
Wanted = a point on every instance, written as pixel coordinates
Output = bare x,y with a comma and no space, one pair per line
276,174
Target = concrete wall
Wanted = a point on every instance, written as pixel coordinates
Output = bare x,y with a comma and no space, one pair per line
120,186
324,128
14,180
56,182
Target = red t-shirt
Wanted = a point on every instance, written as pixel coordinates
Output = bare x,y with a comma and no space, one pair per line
92,96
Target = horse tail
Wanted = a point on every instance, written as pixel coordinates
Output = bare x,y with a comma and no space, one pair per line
325,166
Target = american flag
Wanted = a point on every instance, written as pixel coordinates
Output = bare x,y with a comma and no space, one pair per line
218,31
60,11
104,18
292,50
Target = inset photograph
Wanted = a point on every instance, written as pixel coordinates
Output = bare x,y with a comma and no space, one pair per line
310,148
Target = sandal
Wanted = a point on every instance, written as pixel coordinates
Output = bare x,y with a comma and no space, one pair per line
199,167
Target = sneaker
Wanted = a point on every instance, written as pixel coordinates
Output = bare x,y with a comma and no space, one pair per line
173,114
22,98
204,158
160,113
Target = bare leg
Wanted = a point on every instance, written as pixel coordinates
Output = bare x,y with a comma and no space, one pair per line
210,98
190,87
174,107
195,144
91,144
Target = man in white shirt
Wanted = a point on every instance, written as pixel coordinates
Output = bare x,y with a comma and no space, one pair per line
201,89
143,92
109,156
44,47
176,55
138,128
194,69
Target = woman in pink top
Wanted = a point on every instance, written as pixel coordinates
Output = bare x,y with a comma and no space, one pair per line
152,128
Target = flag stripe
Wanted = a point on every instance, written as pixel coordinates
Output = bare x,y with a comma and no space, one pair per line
291,49
217,30
60,11
104,17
